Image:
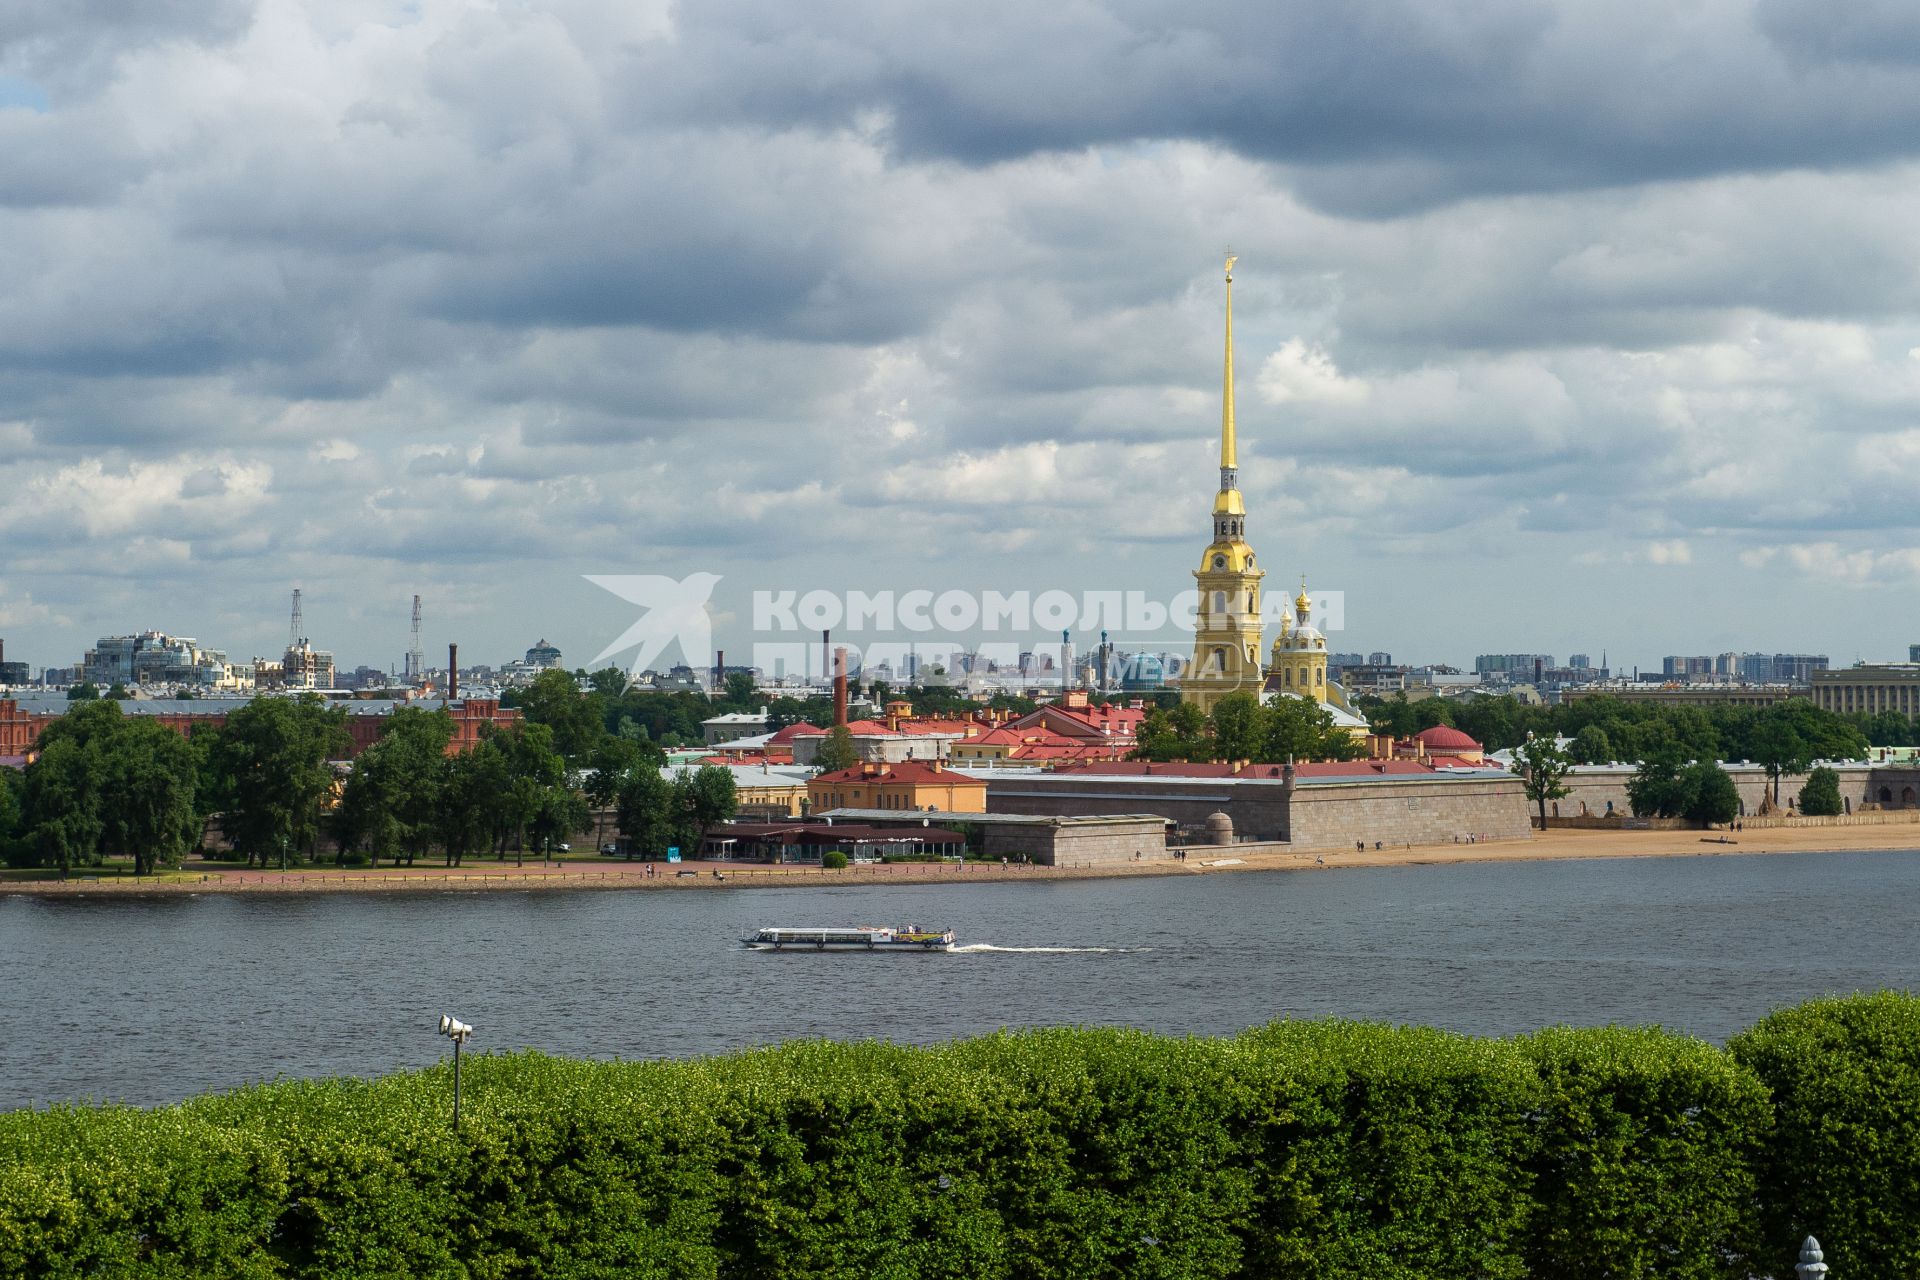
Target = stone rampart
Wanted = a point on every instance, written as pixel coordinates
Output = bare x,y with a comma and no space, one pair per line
1596,790
1409,811
1317,815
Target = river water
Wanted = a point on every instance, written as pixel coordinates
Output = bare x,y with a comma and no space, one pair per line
150,1000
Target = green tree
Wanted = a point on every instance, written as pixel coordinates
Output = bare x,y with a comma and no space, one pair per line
466,807
562,812
644,812
63,805
536,777
1495,723
391,799
609,682
575,718
1820,795
1173,733
1430,713
1658,788
706,797
1545,768
1709,792
1592,746
1300,729
271,761
612,759
119,693
15,850
1392,717
85,691
146,779
740,692
1239,728
1789,736
837,751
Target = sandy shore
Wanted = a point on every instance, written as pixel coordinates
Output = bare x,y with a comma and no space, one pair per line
612,874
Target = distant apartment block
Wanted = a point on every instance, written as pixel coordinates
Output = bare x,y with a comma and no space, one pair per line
153,657
1750,668
1512,666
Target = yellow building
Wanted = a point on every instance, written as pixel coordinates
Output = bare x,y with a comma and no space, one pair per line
1227,631
906,785
1300,654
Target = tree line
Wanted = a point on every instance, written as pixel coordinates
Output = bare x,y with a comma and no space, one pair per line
274,782
1242,727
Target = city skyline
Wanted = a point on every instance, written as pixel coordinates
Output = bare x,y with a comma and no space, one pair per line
377,300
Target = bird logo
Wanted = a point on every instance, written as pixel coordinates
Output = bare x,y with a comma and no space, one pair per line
676,610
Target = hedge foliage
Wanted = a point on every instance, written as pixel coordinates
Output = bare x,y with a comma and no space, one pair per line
1844,1161
1329,1149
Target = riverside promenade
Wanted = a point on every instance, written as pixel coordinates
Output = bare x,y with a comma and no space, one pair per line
709,875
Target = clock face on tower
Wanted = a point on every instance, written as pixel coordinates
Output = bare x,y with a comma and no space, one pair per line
1219,562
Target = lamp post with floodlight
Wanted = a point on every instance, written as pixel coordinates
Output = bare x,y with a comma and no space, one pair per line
457,1031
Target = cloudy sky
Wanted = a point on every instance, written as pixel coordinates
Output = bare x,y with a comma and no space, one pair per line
1560,327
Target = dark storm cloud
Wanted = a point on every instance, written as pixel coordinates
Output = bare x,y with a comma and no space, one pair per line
1389,104
70,46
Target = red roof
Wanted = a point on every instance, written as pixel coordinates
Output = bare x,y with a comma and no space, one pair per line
1107,722
899,771
798,729
1445,738
861,728
1221,769
1042,744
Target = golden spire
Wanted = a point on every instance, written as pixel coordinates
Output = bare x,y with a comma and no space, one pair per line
1227,462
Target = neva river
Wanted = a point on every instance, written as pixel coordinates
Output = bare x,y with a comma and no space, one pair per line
152,1000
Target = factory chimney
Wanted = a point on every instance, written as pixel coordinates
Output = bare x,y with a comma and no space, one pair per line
719,670
453,672
840,686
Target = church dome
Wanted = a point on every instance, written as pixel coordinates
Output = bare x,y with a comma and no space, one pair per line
1445,738
1302,639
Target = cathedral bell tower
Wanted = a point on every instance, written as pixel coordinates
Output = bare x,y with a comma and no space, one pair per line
1226,641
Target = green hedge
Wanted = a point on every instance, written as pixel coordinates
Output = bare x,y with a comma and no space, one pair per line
1844,1160
1328,1149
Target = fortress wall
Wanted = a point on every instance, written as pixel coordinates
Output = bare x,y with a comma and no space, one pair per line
1403,812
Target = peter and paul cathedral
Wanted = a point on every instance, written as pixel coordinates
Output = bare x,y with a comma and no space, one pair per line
1227,631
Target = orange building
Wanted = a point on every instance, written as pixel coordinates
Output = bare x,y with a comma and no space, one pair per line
906,785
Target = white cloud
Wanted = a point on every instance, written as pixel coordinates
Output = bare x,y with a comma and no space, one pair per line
1298,371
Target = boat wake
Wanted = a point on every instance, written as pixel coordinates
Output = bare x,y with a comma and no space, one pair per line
983,947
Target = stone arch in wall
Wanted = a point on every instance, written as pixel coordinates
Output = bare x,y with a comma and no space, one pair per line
1886,795
1906,797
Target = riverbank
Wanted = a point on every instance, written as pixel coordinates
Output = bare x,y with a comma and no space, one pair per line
1551,846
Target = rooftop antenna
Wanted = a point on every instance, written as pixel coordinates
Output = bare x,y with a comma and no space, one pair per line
294,633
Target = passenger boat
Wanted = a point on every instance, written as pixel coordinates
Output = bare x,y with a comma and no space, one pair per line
907,938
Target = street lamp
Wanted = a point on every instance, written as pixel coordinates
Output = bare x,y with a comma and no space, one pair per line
457,1031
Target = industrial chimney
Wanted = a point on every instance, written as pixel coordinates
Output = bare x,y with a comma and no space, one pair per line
453,672
719,670
840,686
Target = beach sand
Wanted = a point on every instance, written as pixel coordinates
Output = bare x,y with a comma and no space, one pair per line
619,874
